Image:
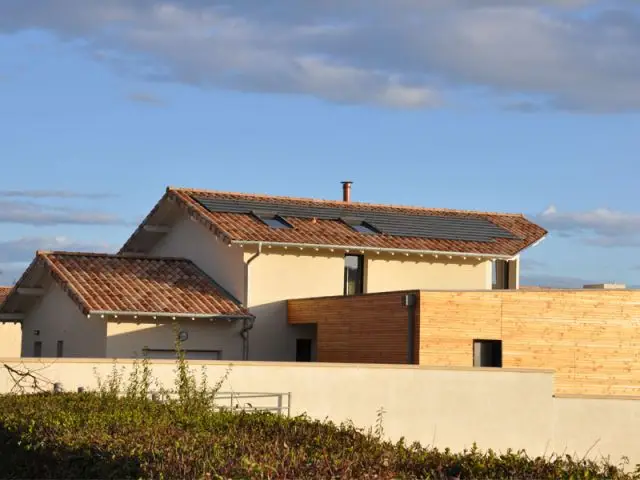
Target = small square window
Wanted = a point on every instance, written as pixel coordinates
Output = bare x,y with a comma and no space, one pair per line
487,353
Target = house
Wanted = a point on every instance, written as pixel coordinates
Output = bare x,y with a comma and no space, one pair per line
266,250
10,332
101,305
250,254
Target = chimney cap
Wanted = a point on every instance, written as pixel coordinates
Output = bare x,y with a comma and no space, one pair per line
346,182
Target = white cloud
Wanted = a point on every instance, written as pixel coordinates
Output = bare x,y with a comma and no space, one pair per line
575,54
16,254
600,227
33,213
52,194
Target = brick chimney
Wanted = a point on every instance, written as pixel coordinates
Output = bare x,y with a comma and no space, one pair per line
346,190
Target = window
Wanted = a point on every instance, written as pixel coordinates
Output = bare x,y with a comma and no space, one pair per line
353,274
272,220
60,349
303,350
487,353
501,275
360,225
37,349
364,228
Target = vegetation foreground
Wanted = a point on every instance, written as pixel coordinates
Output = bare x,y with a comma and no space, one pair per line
118,431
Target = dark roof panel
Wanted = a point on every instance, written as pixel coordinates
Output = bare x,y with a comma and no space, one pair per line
400,224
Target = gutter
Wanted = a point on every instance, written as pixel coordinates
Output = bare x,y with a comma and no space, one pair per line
115,313
248,322
371,249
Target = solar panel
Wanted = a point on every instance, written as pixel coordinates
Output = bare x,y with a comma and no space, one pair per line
389,223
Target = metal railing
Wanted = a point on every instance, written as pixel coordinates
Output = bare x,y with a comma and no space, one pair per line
279,403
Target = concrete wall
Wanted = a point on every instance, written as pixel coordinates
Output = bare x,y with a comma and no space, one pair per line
57,317
443,407
274,277
128,338
386,273
189,239
10,339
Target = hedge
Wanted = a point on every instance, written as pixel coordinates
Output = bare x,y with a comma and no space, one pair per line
119,431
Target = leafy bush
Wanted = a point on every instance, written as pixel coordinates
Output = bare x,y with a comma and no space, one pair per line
118,431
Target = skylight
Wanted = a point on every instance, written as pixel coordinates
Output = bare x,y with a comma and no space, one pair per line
272,220
276,222
363,228
359,225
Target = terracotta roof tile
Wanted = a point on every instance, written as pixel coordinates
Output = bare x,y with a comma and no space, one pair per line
115,283
245,227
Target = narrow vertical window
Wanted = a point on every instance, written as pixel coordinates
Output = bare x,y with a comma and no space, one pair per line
37,349
60,349
353,274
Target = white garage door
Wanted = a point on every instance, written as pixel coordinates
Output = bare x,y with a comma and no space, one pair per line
188,354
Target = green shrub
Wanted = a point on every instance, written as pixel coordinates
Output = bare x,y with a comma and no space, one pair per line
118,431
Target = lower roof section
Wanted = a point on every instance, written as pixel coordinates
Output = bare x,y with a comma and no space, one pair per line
125,285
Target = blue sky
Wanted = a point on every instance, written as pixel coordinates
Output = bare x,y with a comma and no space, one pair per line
487,104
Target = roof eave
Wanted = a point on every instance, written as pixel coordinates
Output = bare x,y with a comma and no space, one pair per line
171,315
357,248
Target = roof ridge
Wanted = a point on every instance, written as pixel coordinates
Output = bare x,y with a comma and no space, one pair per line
140,256
332,201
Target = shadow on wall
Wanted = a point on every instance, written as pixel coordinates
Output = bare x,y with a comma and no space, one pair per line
203,339
272,338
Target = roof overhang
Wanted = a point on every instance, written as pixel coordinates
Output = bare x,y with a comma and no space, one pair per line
114,315
376,250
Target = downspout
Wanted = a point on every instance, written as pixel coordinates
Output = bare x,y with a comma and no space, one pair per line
248,322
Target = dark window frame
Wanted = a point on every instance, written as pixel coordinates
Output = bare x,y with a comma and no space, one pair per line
496,357
60,349
359,281
272,220
360,225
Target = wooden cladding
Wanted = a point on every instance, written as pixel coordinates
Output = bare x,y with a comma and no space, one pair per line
590,338
359,329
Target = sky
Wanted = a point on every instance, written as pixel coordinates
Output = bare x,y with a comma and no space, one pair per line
516,106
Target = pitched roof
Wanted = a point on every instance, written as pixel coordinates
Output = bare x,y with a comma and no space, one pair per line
137,284
4,291
237,225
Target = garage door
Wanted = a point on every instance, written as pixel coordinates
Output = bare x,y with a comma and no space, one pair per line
188,354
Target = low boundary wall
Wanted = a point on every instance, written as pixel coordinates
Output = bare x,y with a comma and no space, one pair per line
442,407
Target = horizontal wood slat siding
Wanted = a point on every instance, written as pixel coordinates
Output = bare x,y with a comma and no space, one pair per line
590,338
357,329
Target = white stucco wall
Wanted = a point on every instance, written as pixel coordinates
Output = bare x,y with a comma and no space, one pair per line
275,277
385,273
10,339
57,317
127,339
191,240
